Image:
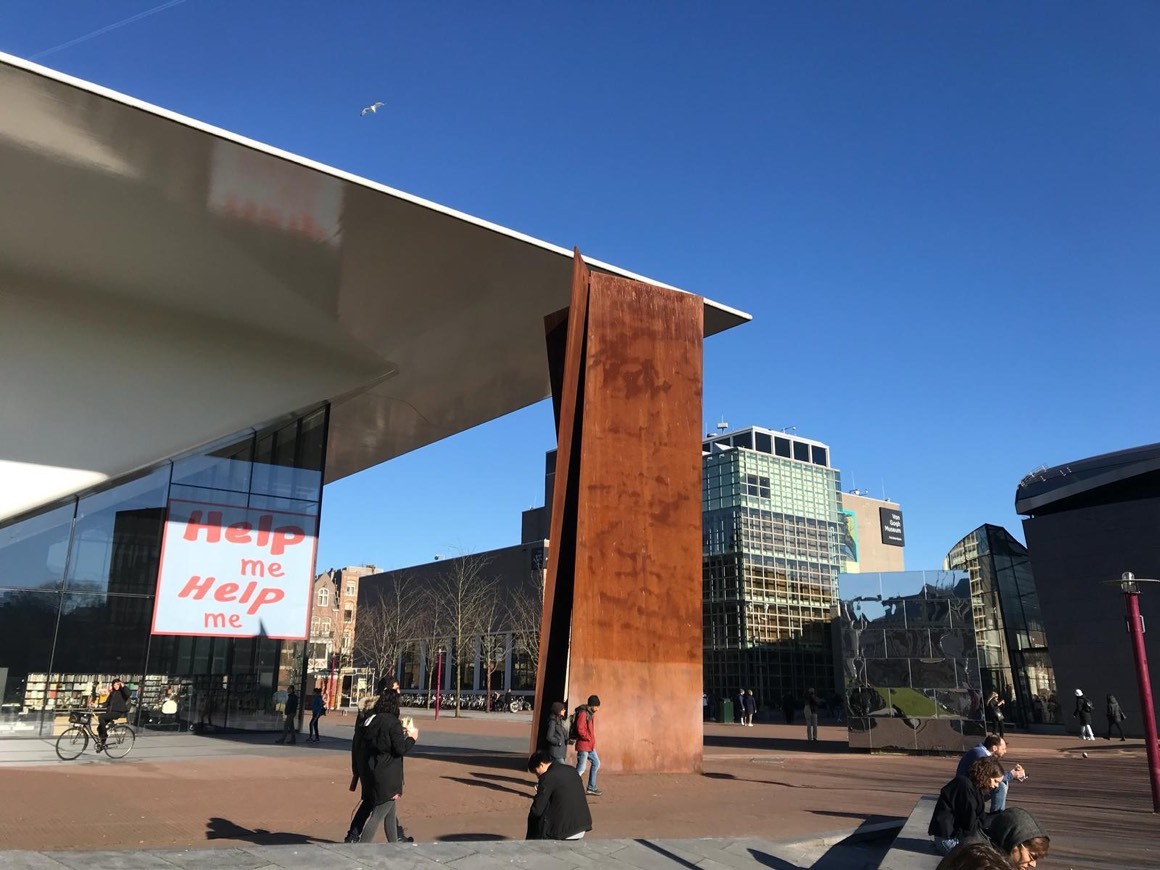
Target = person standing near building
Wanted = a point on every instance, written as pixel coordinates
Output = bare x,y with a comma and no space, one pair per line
560,809
811,710
1083,712
586,742
556,734
116,707
750,707
995,713
317,710
289,726
1115,717
739,702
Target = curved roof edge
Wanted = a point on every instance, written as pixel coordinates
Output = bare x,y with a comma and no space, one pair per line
1046,487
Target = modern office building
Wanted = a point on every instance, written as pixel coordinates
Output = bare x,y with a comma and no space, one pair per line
772,532
873,537
1087,522
1013,655
909,666
197,332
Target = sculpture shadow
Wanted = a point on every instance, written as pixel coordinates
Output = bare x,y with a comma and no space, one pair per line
488,785
469,837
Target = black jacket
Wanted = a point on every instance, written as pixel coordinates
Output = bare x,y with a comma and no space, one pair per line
556,737
118,700
1115,714
291,704
1084,714
380,767
959,812
560,808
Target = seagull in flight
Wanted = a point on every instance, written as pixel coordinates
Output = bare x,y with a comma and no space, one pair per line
370,110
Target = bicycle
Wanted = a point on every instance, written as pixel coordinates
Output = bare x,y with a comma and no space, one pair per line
75,739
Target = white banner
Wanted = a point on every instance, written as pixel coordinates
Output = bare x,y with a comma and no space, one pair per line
235,572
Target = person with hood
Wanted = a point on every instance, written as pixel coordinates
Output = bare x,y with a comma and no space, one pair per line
586,742
116,707
384,743
559,810
975,856
1115,717
556,734
961,807
1083,712
1017,834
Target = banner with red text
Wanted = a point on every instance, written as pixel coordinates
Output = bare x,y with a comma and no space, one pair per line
235,572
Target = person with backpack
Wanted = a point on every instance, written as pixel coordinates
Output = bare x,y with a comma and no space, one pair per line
557,735
994,714
585,726
1083,712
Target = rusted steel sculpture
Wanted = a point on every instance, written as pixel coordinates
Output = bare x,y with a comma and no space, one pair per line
622,600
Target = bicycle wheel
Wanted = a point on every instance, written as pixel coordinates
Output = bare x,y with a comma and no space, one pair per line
120,740
71,743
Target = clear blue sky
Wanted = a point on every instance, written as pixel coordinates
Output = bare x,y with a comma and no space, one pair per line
944,217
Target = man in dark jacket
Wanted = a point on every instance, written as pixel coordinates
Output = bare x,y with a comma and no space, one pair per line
289,726
116,707
560,809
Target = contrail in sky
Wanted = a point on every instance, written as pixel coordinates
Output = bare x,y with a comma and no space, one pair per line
104,30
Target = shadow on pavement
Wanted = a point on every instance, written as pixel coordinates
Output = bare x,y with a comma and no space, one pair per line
488,785
753,741
468,837
676,859
472,758
223,829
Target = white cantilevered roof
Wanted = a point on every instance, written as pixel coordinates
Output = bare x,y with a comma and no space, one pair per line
164,283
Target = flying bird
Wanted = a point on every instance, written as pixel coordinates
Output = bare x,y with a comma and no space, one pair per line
370,110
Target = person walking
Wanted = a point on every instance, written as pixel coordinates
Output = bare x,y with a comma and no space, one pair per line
995,714
586,742
750,707
317,711
116,707
290,711
1115,717
556,733
1083,712
560,809
384,744
811,710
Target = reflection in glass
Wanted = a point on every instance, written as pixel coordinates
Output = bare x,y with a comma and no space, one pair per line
33,551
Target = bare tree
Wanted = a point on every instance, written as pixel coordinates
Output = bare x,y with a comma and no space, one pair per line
432,629
387,624
494,639
525,608
465,590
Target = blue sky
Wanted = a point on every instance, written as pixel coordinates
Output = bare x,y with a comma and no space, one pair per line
942,217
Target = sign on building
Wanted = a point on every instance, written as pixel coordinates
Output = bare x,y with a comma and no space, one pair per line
891,527
234,572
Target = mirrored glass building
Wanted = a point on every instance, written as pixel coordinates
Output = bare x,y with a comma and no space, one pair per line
910,668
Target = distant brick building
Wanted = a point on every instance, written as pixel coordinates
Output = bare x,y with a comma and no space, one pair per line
333,615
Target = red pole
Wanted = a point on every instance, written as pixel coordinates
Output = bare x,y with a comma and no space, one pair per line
438,681
1136,630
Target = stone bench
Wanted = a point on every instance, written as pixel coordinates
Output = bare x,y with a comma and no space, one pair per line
912,848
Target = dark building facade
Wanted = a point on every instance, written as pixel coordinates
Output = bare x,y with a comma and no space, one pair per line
910,667
1088,522
1013,656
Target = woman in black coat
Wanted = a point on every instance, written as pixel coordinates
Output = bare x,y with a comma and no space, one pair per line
961,807
380,768
995,714
556,734
1115,717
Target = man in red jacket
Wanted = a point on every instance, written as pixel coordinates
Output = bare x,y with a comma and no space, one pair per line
586,742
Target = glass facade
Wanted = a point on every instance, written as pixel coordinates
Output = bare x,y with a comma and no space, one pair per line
77,586
1013,653
771,556
910,666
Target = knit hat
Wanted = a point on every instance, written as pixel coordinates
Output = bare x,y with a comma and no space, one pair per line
593,700
1078,692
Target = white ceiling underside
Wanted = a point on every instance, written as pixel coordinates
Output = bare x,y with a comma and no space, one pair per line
164,284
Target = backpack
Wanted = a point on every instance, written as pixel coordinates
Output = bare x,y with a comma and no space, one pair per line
573,729
1086,706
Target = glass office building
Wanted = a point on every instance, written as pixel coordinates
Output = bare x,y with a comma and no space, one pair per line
910,667
1013,654
772,552
77,588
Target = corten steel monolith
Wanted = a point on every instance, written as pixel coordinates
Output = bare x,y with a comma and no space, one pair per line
622,601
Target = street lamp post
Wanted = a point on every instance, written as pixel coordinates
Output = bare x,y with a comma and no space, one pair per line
438,680
1130,586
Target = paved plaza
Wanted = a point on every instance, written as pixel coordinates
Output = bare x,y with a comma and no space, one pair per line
766,799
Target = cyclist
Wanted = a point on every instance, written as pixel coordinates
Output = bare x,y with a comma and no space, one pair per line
116,707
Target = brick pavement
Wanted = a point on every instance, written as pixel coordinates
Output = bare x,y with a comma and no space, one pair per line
466,782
